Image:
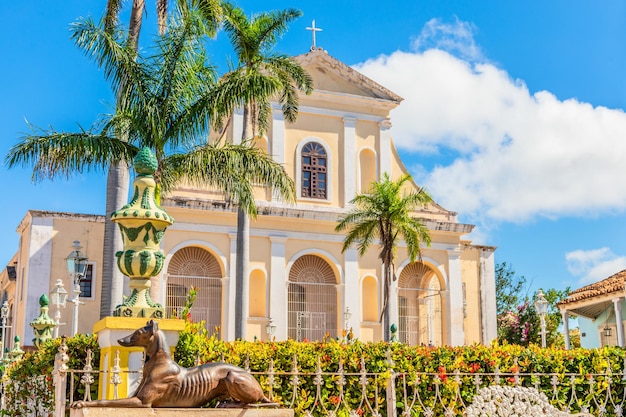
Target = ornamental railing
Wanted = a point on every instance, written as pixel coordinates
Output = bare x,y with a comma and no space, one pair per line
341,393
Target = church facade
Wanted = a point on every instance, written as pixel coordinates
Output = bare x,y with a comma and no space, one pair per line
299,277
300,283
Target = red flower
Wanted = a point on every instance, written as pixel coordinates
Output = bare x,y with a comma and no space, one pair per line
442,374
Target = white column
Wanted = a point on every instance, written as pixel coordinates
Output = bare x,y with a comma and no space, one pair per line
488,296
278,290
229,284
565,318
617,307
349,159
277,145
456,329
351,297
237,125
384,151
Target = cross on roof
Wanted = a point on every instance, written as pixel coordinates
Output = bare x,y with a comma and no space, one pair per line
313,29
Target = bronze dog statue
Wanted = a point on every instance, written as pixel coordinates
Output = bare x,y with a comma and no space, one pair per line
166,384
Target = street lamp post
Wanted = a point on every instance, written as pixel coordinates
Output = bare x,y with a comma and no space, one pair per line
4,315
347,314
58,296
541,305
270,328
76,266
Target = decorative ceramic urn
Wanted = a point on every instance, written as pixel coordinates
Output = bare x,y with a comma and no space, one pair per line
43,324
142,223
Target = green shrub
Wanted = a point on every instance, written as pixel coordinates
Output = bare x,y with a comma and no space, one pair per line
439,375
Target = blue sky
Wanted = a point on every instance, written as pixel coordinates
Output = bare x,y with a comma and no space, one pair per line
512,114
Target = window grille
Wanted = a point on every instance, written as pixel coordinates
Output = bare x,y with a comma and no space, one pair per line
194,267
312,299
314,171
419,306
86,283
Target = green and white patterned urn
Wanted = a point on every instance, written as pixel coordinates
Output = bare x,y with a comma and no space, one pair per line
142,223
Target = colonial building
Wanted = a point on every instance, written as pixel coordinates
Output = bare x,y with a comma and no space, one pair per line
299,278
599,308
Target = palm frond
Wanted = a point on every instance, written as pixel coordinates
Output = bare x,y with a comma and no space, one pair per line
121,68
54,153
233,169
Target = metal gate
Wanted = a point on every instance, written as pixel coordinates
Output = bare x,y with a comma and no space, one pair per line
208,304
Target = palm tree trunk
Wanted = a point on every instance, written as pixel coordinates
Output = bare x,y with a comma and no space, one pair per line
387,289
118,179
112,278
242,274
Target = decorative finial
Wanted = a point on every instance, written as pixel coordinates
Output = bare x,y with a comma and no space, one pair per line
44,301
313,29
145,162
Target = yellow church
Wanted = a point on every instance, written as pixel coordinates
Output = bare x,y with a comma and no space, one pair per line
300,285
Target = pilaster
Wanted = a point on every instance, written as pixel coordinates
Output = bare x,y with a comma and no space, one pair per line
384,151
351,280
455,300
349,159
278,290
277,146
488,296
229,293
237,125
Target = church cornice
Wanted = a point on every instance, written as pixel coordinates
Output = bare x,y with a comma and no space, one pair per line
330,214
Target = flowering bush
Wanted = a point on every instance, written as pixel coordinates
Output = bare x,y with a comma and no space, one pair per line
354,377
30,391
519,327
437,374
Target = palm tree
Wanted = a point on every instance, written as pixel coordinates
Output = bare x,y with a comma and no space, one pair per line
385,214
118,175
165,102
260,77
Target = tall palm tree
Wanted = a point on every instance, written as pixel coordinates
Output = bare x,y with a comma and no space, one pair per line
385,214
118,175
166,102
259,77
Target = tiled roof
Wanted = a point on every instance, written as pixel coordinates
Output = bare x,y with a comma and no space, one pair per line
614,283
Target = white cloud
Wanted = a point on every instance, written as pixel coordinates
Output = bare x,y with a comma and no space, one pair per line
457,38
594,265
517,154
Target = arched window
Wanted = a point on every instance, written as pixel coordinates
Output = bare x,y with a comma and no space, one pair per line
312,297
195,267
419,305
314,171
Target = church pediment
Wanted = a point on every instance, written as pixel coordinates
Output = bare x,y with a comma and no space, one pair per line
332,75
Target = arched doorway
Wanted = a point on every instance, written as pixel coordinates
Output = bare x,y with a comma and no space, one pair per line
194,267
419,305
312,295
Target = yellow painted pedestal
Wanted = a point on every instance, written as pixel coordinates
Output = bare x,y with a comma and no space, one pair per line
109,330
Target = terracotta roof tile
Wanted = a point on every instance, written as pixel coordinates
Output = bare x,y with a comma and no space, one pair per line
614,283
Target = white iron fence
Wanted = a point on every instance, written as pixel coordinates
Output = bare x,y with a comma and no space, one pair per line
350,394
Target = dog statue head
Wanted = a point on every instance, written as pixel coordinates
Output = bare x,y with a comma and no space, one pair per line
141,337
